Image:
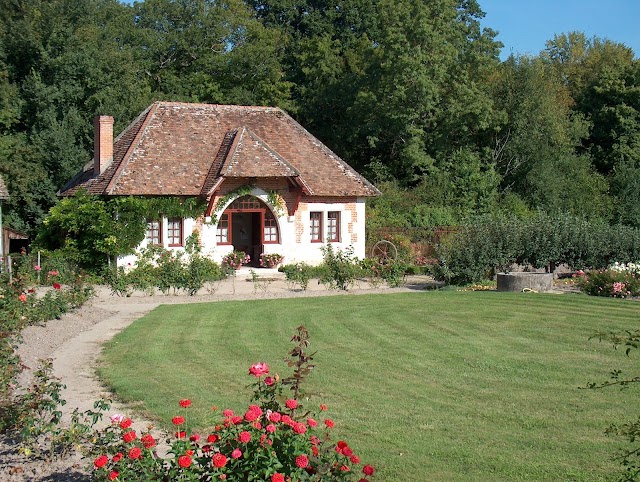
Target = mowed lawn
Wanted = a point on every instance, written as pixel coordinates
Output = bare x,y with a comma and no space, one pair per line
426,386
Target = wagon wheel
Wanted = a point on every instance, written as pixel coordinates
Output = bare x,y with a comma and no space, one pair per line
384,251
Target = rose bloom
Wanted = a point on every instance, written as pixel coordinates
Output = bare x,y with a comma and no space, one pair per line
329,423
251,416
184,461
177,420
299,428
37,267
114,475
244,437
368,470
302,461
181,434
344,468
270,428
277,477
312,423
237,420
194,437
354,459
56,286
228,412
259,369
269,381
323,407
129,436
117,418
23,298
135,453
213,438
236,454
185,403
101,461
314,450
275,417
117,457
148,441
219,460
125,423
291,404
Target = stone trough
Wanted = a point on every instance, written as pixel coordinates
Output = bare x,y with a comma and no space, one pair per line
525,281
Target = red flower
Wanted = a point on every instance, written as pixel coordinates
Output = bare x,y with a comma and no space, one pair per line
355,459
299,428
206,449
237,420
148,441
270,428
129,436
329,423
101,461
227,413
277,477
194,437
126,423
236,454
291,404
114,475
323,407
219,460
269,381
23,298
312,423
185,403
213,438
116,458
244,437
302,461
184,461
251,416
56,286
135,453
368,470
275,417
181,434
344,468
314,450
177,420
259,369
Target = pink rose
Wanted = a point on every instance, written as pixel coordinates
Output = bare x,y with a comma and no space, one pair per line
259,369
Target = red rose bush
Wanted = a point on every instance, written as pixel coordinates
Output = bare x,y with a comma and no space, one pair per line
276,439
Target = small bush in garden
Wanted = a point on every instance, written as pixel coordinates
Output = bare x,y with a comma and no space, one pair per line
235,260
342,267
278,438
610,282
391,271
297,274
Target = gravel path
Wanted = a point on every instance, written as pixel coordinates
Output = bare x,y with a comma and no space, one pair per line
74,342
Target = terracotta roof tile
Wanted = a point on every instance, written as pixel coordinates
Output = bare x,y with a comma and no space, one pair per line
184,149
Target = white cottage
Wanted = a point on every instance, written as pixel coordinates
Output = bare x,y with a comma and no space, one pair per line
269,185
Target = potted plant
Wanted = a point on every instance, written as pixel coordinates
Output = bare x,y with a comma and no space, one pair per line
271,260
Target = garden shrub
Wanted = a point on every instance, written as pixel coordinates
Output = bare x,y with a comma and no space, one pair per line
618,281
487,244
342,267
278,438
298,274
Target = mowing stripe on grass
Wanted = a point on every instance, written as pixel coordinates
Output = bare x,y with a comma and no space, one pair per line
427,386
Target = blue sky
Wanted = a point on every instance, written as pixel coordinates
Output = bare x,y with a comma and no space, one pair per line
525,25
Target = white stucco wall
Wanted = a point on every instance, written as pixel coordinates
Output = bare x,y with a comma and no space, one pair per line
295,232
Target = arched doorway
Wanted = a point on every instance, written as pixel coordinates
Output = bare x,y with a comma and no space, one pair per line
248,224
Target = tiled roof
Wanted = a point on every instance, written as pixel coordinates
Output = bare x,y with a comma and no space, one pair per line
4,193
186,149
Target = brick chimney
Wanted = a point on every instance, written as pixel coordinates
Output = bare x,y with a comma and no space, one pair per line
102,143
